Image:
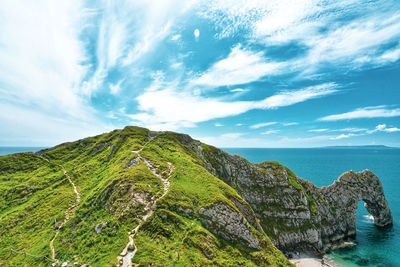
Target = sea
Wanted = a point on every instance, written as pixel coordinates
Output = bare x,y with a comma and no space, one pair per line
322,166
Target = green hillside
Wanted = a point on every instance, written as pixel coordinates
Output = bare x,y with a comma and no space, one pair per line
124,179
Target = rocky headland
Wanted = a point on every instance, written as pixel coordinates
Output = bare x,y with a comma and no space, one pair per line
164,197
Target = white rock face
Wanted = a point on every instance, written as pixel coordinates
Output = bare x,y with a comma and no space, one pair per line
225,221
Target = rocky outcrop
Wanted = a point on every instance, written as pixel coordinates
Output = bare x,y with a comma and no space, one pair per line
225,221
294,213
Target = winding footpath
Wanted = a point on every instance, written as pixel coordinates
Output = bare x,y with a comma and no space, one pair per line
68,213
126,256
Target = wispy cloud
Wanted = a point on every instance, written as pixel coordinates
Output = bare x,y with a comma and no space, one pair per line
44,129
330,32
157,22
270,132
169,109
292,97
218,124
263,124
361,131
342,136
176,37
237,90
290,123
116,88
367,112
383,128
241,66
39,69
351,130
318,130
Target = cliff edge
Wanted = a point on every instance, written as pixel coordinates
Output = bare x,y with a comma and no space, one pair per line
293,212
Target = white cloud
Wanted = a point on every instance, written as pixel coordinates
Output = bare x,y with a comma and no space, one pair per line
271,141
179,109
218,124
290,123
292,97
43,128
390,55
259,125
176,37
383,128
270,132
378,128
127,31
352,130
116,88
238,90
41,56
157,21
392,130
342,136
367,112
344,34
169,109
318,130
357,39
241,66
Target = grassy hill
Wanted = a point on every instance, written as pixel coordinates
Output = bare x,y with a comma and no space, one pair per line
155,182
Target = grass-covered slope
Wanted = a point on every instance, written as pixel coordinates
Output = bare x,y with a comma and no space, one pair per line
117,175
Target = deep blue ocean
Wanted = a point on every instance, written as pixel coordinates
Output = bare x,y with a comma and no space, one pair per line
322,166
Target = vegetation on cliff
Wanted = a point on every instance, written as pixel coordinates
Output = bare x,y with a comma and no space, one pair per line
136,196
115,185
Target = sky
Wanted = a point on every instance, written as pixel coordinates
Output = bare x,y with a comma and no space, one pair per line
277,73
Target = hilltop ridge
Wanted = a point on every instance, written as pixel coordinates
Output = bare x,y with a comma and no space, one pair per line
134,195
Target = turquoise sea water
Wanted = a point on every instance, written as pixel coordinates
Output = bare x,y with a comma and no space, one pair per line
322,166
5,150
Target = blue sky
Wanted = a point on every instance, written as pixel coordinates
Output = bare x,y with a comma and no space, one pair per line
230,73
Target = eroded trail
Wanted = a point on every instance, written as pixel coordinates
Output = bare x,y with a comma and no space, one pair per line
68,213
126,256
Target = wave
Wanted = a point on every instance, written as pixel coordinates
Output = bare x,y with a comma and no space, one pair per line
368,218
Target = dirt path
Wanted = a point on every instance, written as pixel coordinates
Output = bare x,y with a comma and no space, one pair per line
68,213
148,141
126,256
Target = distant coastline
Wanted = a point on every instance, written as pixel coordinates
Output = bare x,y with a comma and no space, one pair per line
320,147
6,150
362,147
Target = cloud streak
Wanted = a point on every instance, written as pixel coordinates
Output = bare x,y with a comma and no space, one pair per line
169,109
241,66
329,33
367,112
264,124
